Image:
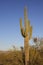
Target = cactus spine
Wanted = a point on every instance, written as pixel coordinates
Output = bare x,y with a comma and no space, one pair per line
26,33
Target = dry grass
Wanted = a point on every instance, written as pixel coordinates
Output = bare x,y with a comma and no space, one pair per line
16,57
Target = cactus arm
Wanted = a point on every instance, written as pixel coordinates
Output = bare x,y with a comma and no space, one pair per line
20,23
22,29
30,32
28,25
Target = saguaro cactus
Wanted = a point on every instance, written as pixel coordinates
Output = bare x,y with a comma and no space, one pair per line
26,33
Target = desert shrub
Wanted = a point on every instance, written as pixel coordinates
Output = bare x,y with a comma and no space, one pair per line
35,58
17,57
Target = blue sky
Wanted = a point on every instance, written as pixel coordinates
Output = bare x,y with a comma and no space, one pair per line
10,13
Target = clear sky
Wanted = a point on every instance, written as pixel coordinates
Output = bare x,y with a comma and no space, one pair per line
10,13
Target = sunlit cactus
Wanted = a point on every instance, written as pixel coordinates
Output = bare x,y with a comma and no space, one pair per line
27,28
26,32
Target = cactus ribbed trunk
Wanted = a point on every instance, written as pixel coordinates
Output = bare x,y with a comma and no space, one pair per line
26,32
26,50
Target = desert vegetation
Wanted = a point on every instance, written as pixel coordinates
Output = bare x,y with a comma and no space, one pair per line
17,57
